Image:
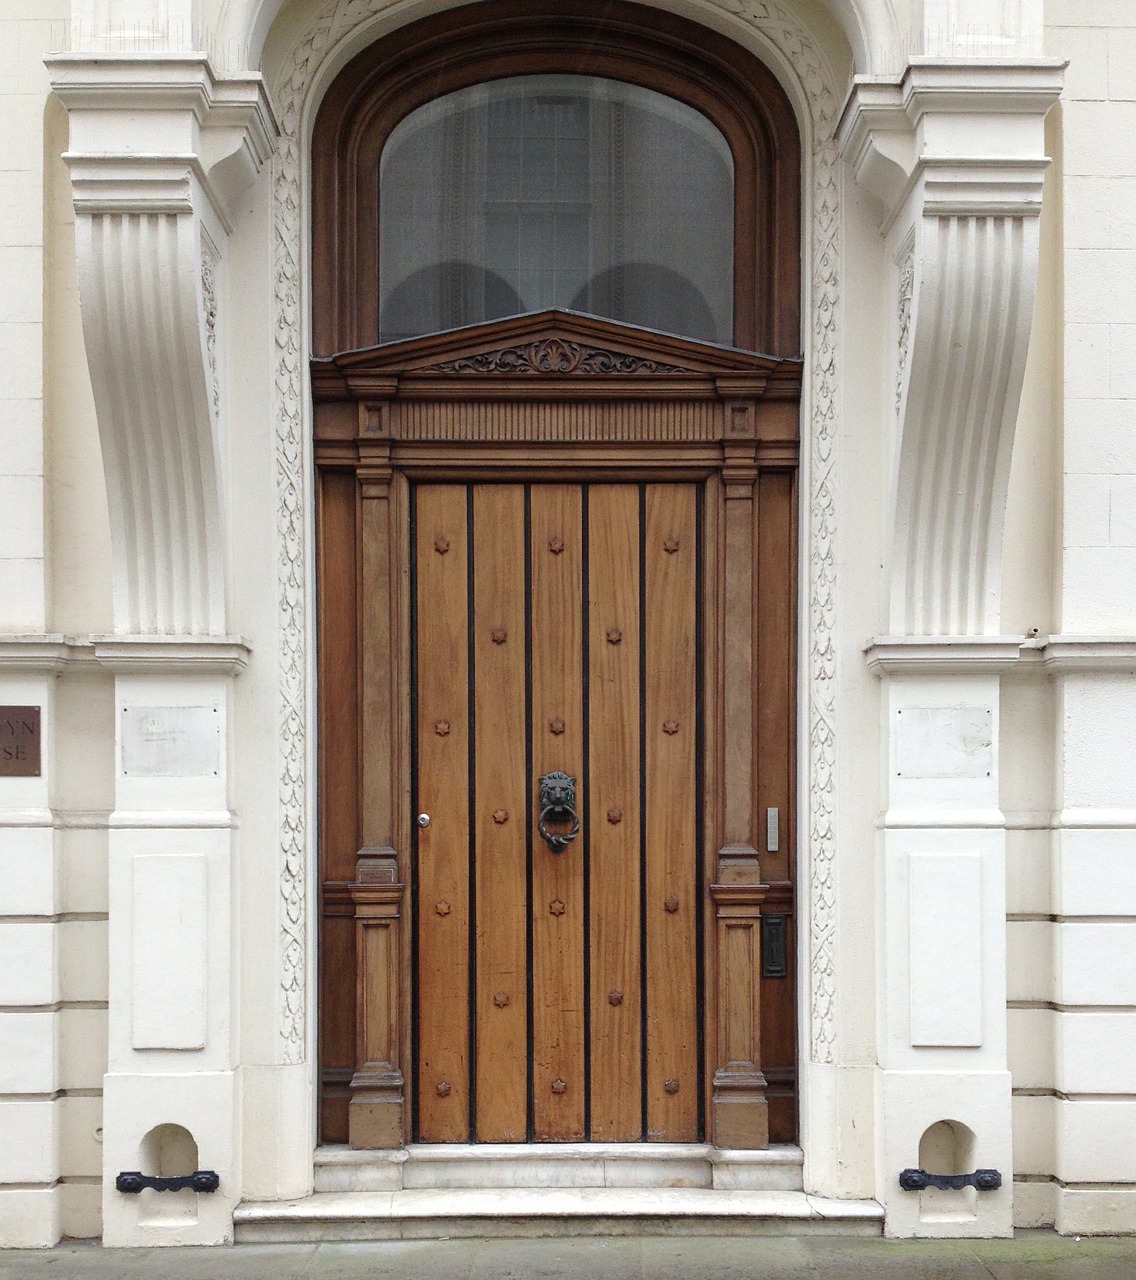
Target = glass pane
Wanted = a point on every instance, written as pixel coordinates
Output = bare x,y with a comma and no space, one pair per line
557,191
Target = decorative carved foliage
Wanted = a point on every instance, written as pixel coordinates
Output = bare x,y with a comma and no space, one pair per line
779,26
554,355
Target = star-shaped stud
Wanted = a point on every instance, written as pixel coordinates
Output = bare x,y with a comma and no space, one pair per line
556,907
671,545
442,908
556,544
441,544
670,726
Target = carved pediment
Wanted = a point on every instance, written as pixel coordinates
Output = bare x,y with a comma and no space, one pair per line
554,356
547,345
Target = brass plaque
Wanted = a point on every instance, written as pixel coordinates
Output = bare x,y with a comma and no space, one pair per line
19,742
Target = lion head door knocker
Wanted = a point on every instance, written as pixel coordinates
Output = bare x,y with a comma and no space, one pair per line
558,804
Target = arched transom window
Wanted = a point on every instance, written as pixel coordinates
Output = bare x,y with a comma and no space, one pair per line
606,158
567,191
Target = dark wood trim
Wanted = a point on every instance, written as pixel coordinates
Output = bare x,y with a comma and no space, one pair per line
619,40
554,394
737,431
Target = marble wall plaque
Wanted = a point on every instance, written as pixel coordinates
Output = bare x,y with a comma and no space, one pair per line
19,742
944,742
171,742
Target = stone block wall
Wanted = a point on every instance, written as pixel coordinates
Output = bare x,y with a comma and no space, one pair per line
1072,903
53,913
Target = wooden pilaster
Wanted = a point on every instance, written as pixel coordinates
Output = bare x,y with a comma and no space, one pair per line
740,1111
376,1112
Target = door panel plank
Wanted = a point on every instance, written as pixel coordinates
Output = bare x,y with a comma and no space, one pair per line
559,1085
776,679
339,787
613,674
443,793
775,670
671,549
338,636
500,805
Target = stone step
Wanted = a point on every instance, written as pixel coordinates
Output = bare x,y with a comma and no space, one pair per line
431,1213
560,1165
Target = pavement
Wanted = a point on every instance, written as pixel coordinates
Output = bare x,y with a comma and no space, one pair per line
1030,1255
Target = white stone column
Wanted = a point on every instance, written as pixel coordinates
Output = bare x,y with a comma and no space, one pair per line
135,26
171,1095
160,148
955,153
943,1086
981,28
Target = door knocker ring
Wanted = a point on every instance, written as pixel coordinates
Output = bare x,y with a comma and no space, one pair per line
558,804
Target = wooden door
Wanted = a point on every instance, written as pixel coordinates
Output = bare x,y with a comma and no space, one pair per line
552,543
557,993
602,408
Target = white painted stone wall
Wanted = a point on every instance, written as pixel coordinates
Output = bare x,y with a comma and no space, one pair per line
1072,928
1037,860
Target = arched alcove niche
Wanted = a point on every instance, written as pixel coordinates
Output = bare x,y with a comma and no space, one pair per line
304,52
424,63
876,37
882,34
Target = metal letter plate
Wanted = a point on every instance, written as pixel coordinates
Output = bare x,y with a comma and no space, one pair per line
19,742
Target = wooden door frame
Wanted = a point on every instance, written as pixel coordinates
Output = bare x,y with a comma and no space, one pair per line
553,394
610,38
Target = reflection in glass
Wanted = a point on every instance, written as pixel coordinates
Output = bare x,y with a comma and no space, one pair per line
556,191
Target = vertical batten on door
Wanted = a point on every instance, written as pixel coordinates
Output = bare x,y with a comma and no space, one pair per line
557,699
442,906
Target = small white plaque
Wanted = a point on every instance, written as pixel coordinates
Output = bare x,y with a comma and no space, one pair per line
171,742
944,742
945,937
168,945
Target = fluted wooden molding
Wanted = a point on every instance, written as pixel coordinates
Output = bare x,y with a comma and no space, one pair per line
147,221
955,155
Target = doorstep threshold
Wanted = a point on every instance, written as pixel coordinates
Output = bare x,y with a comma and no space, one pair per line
559,1165
543,1211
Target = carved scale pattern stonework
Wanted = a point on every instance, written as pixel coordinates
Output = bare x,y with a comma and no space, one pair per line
906,296
210,266
554,355
781,28
333,23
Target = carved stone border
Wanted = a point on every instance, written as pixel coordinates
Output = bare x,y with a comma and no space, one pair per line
335,21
